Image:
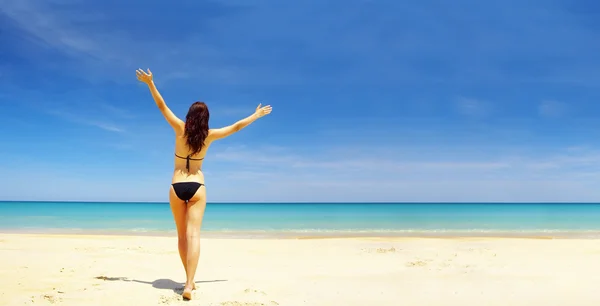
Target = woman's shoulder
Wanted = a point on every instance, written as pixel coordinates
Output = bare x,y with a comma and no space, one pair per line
211,133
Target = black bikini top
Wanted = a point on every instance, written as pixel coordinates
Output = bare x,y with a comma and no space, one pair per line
188,158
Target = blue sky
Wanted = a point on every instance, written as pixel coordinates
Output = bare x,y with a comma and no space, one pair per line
372,100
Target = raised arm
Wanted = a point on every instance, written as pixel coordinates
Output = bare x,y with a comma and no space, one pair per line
177,124
223,132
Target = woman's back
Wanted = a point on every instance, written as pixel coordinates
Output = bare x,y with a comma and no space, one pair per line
188,167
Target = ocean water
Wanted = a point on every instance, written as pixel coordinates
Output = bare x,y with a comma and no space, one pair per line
305,219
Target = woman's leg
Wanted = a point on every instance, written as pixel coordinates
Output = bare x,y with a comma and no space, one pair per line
179,210
195,214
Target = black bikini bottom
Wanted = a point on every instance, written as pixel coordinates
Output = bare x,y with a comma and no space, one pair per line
186,190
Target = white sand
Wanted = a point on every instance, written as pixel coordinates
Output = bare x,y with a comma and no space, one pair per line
71,270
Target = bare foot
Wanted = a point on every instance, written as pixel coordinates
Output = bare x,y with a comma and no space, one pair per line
187,292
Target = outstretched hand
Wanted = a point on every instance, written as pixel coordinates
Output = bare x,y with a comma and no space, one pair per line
262,111
144,77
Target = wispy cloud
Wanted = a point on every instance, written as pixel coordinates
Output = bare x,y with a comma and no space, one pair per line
257,173
104,49
120,112
37,19
104,125
553,175
488,163
476,50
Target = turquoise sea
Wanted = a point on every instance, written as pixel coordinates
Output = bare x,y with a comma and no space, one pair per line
308,219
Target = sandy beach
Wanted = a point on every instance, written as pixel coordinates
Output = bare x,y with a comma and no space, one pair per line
132,270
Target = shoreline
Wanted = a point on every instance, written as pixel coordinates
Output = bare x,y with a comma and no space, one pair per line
297,235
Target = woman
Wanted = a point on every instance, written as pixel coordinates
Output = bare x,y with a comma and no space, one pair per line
187,195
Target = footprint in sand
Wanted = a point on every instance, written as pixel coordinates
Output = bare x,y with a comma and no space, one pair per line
254,291
380,250
107,278
51,298
258,295
417,263
390,250
169,299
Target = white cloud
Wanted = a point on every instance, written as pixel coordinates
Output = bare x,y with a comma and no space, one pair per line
107,53
360,49
117,111
48,29
248,173
486,164
104,125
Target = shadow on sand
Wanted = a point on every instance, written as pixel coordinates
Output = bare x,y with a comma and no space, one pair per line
159,283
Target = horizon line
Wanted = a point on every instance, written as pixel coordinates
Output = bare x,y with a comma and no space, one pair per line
311,202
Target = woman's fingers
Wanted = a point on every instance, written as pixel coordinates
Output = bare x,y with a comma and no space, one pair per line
266,110
142,75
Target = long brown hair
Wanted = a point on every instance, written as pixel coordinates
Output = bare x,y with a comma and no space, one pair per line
196,126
